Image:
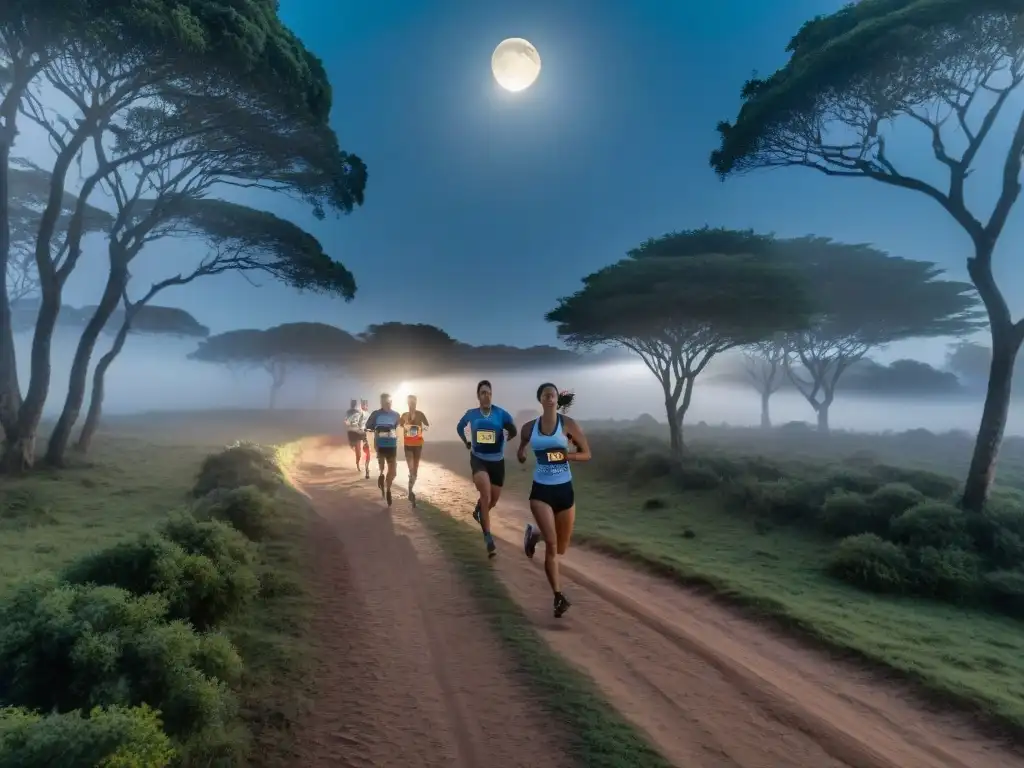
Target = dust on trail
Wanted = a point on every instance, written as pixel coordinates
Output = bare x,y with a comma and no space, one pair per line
407,674
709,687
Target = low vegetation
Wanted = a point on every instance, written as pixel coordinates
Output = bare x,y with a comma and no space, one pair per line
163,626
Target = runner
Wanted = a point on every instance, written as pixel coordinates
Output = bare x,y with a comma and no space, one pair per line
355,423
552,499
487,425
364,406
384,424
414,423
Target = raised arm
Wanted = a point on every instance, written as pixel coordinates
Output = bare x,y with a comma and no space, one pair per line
524,440
460,428
371,421
426,421
575,433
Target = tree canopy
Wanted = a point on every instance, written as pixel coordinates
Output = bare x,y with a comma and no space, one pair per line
676,302
946,70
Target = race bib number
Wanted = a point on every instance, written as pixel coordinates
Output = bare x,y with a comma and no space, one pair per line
486,437
385,432
413,431
556,457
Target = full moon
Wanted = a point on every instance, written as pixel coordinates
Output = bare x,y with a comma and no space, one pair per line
515,64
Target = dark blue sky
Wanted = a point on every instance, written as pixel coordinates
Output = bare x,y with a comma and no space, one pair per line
471,187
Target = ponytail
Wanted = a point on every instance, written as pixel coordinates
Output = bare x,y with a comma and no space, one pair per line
565,400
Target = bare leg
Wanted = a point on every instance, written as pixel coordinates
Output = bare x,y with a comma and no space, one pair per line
545,520
482,481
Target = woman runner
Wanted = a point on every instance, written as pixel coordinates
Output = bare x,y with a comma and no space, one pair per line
486,444
552,499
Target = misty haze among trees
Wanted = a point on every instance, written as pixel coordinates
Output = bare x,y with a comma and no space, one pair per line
158,126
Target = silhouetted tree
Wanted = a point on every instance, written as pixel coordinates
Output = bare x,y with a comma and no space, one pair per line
971,363
171,101
677,302
240,239
280,349
764,364
950,69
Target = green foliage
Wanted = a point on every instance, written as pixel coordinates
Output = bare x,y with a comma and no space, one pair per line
238,466
932,524
870,562
66,647
949,573
847,514
112,737
247,509
203,586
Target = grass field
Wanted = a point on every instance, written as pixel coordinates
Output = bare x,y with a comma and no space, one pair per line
133,479
970,656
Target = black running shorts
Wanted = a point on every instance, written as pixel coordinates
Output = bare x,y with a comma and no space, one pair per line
387,453
495,469
355,439
413,451
559,497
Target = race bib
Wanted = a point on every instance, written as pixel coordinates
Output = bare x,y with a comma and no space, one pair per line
486,437
412,431
385,432
555,457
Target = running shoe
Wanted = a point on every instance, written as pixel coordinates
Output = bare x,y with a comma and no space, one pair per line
561,605
380,485
387,495
530,540
367,471
492,550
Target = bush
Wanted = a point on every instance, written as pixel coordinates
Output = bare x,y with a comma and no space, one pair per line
870,562
932,524
852,481
198,588
247,509
66,647
948,574
236,467
648,466
1006,591
695,476
931,484
893,499
998,532
847,514
117,737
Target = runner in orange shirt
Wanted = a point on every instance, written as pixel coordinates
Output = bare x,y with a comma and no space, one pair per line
414,423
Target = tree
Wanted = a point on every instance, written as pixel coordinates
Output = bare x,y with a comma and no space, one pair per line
947,69
278,350
188,97
764,365
901,378
390,351
676,304
971,362
240,239
864,299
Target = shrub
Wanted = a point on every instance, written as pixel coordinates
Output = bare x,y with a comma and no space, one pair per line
116,737
998,532
893,499
1006,591
851,480
931,484
870,562
247,509
66,647
200,589
695,476
797,500
847,514
648,466
948,574
932,524
236,467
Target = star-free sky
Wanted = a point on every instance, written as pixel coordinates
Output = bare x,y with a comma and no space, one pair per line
483,207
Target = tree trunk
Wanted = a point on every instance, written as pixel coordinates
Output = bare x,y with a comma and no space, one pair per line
822,410
1006,342
78,380
92,416
278,373
10,390
766,419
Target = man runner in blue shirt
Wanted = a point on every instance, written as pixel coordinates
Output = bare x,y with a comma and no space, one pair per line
383,423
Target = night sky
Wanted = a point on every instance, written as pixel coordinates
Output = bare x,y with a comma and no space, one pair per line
483,207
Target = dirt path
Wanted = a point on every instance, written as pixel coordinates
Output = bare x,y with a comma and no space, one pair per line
711,688
408,674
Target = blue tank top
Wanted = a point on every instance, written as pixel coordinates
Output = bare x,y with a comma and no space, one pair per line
552,453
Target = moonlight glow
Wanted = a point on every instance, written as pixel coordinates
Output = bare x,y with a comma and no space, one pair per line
515,64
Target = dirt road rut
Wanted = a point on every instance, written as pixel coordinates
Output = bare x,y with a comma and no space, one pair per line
407,674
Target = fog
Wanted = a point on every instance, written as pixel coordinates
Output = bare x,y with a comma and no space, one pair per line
154,374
